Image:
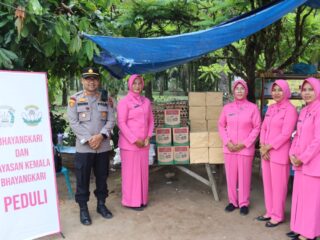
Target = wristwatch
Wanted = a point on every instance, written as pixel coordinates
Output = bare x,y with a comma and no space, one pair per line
105,136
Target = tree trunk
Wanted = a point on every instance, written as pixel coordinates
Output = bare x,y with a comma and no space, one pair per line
148,90
65,92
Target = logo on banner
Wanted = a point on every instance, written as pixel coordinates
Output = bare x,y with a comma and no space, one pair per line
32,116
6,116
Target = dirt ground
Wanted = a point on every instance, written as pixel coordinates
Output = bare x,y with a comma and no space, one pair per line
180,208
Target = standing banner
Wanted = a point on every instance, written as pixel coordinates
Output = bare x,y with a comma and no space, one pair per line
28,191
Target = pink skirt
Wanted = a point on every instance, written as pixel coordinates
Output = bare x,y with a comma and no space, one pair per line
135,177
305,209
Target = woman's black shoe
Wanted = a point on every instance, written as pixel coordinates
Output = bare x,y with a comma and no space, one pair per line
230,207
263,219
292,234
136,208
270,224
244,210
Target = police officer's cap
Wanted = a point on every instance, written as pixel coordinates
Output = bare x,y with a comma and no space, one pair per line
90,72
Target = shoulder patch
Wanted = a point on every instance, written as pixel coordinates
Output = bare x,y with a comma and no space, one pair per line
72,101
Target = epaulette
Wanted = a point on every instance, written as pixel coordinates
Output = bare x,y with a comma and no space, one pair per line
78,93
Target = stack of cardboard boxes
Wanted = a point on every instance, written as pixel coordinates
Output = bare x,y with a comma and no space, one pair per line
204,112
172,140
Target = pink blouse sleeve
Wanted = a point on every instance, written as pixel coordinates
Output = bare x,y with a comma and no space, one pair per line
256,122
122,114
151,121
313,148
222,127
264,128
289,124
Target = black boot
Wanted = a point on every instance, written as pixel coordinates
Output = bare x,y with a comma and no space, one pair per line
85,218
103,210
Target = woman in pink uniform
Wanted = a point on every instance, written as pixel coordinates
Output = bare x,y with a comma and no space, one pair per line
135,121
239,126
276,130
305,157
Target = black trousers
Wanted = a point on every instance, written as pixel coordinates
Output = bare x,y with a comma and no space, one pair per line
84,163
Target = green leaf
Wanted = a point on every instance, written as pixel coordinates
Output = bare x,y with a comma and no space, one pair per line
65,36
75,44
35,6
89,49
84,24
49,48
4,22
6,58
24,32
11,55
59,28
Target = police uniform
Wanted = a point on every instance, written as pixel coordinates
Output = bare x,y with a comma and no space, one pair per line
90,115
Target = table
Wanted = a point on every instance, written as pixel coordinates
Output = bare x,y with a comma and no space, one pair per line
211,182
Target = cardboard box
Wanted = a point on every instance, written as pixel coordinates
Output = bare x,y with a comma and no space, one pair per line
181,155
215,140
216,156
198,125
165,155
163,136
197,113
199,155
197,99
213,112
214,98
199,139
212,125
180,136
172,118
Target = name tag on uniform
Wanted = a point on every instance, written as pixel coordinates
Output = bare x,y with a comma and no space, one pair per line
82,103
102,104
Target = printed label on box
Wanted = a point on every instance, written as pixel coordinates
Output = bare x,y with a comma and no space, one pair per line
181,153
165,154
181,136
172,117
163,136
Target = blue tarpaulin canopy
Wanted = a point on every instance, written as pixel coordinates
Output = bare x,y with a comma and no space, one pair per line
121,56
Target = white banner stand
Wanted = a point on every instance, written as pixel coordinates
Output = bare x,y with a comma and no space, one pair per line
28,191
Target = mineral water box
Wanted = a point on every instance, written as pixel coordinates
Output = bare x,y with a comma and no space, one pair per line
165,155
180,136
181,155
163,136
172,118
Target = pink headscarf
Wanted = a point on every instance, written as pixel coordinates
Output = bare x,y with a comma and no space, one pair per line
244,84
131,79
315,83
283,84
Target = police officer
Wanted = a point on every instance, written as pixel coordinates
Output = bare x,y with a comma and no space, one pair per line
91,119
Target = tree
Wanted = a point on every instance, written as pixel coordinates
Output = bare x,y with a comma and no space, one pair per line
272,47
46,37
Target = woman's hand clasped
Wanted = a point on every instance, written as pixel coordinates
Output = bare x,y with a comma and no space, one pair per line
295,161
139,143
265,151
235,147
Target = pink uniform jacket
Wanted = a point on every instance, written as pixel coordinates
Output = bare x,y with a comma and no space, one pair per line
306,143
278,125
239,122
135,120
